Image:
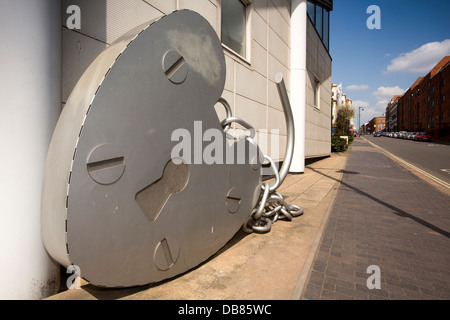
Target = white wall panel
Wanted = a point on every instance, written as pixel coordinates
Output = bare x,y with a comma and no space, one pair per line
165,6
250,84
208,9
79,51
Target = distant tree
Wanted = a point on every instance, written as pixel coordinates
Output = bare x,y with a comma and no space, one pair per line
344,114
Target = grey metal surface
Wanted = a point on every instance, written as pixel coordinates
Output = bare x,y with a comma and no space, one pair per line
289,118
271,204
112,147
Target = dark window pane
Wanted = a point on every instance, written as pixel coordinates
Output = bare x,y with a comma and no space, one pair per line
326,30
311,12
316,87
319,21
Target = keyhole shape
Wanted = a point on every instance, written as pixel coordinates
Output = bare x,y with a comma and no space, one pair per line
153,198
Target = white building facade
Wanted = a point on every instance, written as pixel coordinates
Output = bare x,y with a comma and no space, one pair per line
339,98
44,59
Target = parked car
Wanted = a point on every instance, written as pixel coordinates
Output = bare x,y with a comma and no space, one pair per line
411,135
401,134
422,136
377,134
395,135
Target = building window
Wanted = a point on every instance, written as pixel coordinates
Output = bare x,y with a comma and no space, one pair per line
320,18
316,90
234,26
319,21
311,11
326,29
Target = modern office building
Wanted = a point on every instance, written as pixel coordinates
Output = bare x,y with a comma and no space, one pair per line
49,44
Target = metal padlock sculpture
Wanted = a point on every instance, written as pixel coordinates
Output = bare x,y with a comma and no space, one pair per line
114,202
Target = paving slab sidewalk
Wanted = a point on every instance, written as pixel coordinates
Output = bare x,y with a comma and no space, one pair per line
384,216
272,266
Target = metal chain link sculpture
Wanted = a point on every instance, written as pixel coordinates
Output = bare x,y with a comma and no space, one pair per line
271,204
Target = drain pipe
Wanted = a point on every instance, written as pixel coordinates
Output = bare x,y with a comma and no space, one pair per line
298,81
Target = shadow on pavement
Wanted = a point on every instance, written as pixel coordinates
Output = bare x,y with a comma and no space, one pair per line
399,212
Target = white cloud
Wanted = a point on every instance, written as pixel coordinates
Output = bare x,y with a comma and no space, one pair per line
386,93
356,87
377,108
381,104
371,113
420,60
360,103
367,112
383,96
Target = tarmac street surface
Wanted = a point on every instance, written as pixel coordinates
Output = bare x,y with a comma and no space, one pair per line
387,225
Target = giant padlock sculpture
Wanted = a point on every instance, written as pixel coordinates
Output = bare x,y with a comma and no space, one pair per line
115,202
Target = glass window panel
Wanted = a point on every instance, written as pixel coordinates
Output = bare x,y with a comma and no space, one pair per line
234,14
319,26
316,87
311,12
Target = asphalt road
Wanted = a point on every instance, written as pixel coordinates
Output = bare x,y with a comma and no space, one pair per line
432,157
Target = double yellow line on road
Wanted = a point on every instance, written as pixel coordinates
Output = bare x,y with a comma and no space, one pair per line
422,172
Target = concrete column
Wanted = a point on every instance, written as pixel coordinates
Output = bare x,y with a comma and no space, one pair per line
298,81
30,93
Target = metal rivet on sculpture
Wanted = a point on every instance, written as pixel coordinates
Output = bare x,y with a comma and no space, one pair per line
114,203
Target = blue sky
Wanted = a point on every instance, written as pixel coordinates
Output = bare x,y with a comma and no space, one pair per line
373,65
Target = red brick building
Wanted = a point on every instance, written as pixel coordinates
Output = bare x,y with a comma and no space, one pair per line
377,124
426,105
391,114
